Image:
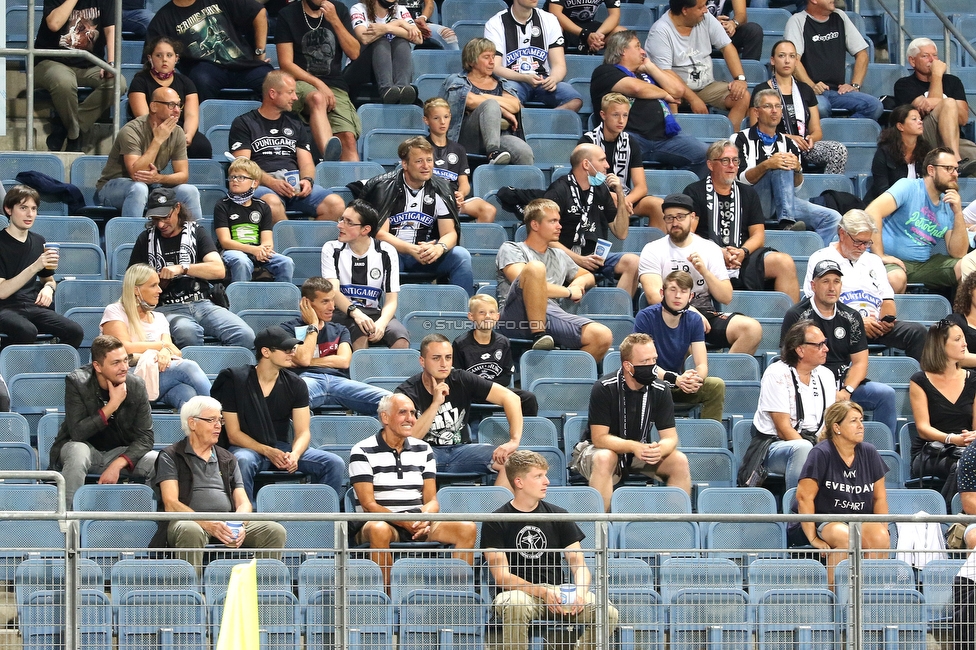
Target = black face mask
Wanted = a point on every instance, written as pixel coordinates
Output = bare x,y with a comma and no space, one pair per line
386,5
666,307
645,374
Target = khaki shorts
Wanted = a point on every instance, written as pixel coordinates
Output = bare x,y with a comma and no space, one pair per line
582,462
343,118
714,94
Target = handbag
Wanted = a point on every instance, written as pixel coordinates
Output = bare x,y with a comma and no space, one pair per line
939,459
752,471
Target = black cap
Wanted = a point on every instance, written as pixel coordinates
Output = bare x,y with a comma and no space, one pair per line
161,202
274,337
824,267
678,200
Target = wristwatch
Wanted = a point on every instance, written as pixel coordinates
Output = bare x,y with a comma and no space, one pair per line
856,86
849,389
258,51
351,308
740,77
311,329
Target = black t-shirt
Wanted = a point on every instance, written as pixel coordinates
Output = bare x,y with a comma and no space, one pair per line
584,220
492,361
582,11
844,332
170,246
910,87
143,82
15,256
84,30
538,558
273,144
825,49
316,51
727,229
646,115
210,30
605,407
450,425
625,164
289,393
450,162
789,110
245,223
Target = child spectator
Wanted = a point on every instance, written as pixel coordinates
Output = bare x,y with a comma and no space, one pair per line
451,161
487,353
243,227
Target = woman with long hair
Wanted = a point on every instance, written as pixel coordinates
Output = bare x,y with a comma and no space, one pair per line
900,152
942,396
133,321
842,475
964,311
486,108
161,56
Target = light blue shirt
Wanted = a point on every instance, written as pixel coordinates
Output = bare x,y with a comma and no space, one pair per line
917,225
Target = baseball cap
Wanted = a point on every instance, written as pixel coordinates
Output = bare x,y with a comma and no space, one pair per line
824,267
161,202
678,200
275,337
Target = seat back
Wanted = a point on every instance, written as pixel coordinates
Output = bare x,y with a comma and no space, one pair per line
263,295
443,573
73,230
556,364
580,499
536,431
488,178
50,357
342,429
156,575
14,428
86,293
721,615
214,358
289,234
85,172
221,112
426,297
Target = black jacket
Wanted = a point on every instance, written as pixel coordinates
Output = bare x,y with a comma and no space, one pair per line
386,190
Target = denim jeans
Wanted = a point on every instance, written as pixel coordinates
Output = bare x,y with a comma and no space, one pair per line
455,264
182,380
682,151
471,458
130,197
210,78
333,390
880,399
778,197
787,457
859,104
78,458
324,467
189,321
136,21
241,266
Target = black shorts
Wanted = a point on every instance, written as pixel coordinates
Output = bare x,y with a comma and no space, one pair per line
752,273
719,323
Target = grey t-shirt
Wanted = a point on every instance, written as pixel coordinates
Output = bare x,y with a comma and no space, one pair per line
689,56
560,267
208,487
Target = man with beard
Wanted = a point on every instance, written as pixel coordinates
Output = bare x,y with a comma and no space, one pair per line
311,37
730,214
683,250
940,99
107,425
917,212
770,162
846,341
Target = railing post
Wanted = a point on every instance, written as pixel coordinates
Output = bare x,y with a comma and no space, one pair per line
855,632
342,593
603,578
901,33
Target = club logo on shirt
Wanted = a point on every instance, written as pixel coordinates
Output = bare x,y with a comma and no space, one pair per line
255,217
428,199
375,274
452,158
287,131
840,333
273,131
823,38
498,355
531,542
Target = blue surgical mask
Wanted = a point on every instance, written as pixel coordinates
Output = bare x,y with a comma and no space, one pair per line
598,180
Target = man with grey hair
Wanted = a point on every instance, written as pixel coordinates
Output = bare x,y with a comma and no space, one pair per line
627,70
195,475
866,288
770,162
940,99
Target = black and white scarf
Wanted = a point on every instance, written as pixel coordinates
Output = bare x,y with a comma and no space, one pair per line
187,252
620,161
799,110
583,226
712,203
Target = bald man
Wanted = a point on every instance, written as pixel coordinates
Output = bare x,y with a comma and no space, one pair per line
591,203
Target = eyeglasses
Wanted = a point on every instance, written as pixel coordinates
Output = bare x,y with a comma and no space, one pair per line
816,344
771,107
346,222
169,105
236,179
858,243
210,421
725,162
952,169
671,218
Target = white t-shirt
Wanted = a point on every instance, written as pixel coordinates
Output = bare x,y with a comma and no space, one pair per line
359,17
969,214
777,394
522,56
662,256
153,331
690,57
865,282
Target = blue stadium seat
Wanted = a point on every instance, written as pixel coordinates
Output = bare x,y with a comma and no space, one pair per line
171,616
793,617
661,182
480,499
719,615
259,319
680,573
42,619
123,230
341,429
381,145
925,308
86,293
421,323
426,297
335,173
556,364
444,62
707,128
214,112
214,358
881,77
76,230
606,301
850,129
816,184
936,583
548,121
794,243
219,137
488,178
701,433
579,499
13,163
446,617
35,393
14,428
81,261
551,150
48,357
369,612
428,85
536,431
483,235
638,237
288,234
262,295
370,364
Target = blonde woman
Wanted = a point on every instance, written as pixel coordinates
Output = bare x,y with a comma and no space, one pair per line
132,320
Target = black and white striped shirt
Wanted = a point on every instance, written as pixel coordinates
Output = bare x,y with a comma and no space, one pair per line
364,280
397,478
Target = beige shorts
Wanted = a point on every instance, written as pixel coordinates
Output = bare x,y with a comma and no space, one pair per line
343,118
714,94
582,462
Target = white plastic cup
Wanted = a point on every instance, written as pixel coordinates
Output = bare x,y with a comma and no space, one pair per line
236,527
55,247
602,248
567,594
294,178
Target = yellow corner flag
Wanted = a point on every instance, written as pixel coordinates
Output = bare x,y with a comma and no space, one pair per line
239,625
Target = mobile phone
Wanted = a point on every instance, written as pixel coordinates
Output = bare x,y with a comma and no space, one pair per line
890,318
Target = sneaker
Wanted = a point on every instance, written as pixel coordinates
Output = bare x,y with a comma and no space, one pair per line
73,145
967,167
795,226
391,95
333,149
55,141
408,94
499,157
544,342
